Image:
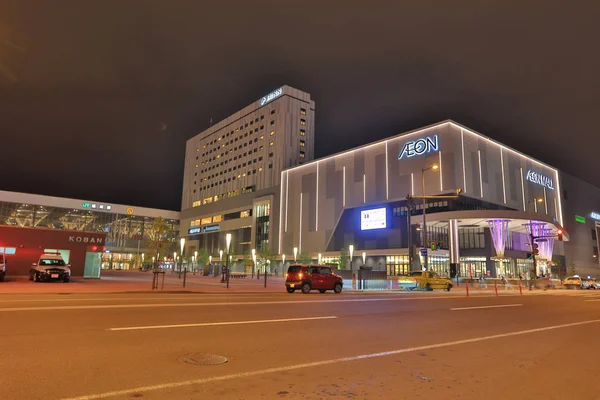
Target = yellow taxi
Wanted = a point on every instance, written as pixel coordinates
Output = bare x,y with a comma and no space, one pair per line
427,280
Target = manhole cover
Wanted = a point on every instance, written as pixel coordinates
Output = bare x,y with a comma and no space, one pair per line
203,359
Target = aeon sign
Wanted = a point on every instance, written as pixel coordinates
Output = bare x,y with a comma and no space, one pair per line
419,147
271,96
539,179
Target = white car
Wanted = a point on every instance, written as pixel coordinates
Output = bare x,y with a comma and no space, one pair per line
50,267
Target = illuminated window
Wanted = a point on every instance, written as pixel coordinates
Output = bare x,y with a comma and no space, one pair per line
271,143
302,143
302,122
207,200
301,154
196,165
272,133
196,203
262,137
303,111
197,150
217,218
244,214
260,169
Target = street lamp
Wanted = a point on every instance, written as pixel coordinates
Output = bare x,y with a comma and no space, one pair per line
228,242
283,263
434,167
532,237
295,254
364,257
351,250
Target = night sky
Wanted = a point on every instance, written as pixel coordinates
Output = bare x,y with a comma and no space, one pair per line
97,98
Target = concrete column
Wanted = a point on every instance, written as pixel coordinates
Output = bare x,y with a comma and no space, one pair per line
453,245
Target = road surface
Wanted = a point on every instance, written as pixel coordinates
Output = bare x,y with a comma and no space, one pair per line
295,346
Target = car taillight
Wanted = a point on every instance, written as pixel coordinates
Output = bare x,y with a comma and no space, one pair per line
286,275
300,275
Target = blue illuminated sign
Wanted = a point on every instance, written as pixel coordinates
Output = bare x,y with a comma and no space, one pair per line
539,179
193,231
420,147
271,96
211,228
595,215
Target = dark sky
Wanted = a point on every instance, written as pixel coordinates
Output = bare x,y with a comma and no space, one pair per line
107,92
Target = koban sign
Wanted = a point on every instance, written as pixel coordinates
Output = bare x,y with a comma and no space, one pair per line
420,147
84,239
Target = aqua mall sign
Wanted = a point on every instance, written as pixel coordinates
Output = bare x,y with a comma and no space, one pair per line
539,179
419,147
271,96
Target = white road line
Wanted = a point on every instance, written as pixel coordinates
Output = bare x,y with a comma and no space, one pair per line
162,305
482,307
172,385
264,321
593,300
141,297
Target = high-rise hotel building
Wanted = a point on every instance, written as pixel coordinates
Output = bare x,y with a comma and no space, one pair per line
233,171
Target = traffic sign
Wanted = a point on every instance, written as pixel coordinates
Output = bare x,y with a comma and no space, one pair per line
423,252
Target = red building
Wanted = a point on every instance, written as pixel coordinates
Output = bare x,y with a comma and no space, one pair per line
23,246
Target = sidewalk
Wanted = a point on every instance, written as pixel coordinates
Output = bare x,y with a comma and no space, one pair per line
136,281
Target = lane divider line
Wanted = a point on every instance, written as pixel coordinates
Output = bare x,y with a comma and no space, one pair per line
263,321
483,307
221,378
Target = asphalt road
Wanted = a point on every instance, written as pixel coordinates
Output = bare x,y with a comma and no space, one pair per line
282,346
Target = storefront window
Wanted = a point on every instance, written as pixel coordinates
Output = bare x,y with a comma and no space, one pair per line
473,267
397,265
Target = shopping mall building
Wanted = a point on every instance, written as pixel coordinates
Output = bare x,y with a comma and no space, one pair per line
89,235
360,197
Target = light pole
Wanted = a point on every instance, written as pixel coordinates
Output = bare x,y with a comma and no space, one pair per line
351,251
253,261
210,265
182,247
433,167
364,257
142,260
228,242
532,239
194,267
319,259
295,254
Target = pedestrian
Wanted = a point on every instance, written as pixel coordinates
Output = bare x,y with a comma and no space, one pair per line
482,282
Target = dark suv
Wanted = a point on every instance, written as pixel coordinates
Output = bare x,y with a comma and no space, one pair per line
312,277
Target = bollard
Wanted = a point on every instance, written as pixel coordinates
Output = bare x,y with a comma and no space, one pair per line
265,278
496,287
467,286
520,288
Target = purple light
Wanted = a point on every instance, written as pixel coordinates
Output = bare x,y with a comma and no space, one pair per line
499,232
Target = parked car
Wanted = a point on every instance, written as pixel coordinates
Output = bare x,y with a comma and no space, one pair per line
427,280
2,267
312,277
575,282
592,283
50,267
